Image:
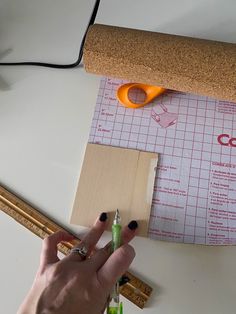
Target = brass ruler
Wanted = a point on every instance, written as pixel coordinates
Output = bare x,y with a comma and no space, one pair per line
131,287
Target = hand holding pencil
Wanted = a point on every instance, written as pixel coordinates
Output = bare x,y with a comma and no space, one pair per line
83,280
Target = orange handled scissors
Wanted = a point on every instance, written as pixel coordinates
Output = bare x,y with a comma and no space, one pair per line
150,91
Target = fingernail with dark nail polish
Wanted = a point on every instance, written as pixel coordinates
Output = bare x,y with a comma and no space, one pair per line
123,280
133,225
103,217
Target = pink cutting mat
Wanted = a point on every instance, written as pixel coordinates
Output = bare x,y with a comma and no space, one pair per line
194,198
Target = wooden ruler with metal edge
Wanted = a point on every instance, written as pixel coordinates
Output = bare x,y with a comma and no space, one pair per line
131,287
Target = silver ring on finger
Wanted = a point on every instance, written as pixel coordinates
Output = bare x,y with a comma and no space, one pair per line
82,251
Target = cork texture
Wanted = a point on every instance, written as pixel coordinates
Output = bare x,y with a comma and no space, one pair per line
180,63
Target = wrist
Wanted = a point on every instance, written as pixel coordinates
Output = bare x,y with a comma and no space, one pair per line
29,304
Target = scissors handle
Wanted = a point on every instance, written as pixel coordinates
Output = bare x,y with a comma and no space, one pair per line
150,91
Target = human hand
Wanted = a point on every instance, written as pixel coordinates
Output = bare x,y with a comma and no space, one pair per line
73,285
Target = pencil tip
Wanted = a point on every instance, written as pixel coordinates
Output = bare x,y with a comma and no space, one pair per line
117,215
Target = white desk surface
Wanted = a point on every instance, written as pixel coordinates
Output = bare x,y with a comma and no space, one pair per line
45,117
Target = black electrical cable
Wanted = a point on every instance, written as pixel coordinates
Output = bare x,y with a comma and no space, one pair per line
63,66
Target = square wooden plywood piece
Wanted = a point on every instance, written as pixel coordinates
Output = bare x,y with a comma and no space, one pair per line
112,178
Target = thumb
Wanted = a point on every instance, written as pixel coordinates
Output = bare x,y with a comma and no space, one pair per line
115,266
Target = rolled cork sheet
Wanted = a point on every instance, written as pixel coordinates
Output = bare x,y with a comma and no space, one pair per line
180,63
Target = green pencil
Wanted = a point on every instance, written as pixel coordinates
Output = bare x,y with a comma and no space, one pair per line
115,307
